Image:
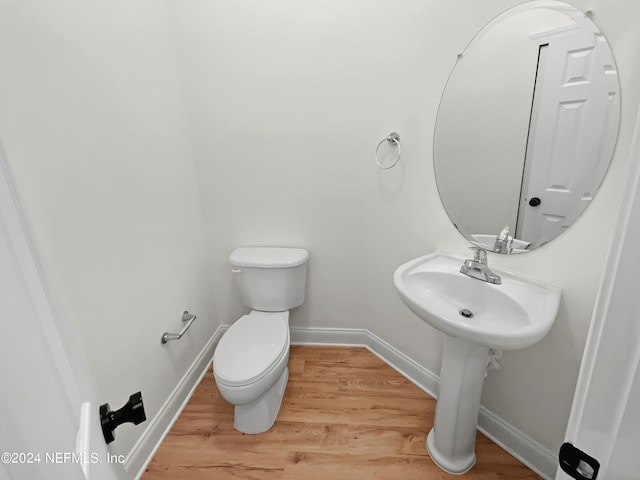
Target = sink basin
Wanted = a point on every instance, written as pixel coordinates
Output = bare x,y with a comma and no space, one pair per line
515,314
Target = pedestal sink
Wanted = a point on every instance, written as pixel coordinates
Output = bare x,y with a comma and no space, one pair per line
475,317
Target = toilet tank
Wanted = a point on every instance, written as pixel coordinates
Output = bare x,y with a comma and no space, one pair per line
270,279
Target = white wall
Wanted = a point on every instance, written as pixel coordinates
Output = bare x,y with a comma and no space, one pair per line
94,129
287,101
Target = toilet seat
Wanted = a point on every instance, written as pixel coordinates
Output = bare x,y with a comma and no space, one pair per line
251,347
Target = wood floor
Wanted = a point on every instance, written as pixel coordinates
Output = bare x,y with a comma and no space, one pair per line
345,415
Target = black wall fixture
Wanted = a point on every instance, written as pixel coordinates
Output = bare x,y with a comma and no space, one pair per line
131,412
577,464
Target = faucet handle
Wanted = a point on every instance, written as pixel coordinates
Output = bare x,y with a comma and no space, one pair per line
479,254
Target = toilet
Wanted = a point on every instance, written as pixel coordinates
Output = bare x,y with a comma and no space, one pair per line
250,360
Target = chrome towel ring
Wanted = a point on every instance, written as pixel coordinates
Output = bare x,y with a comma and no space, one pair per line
393,137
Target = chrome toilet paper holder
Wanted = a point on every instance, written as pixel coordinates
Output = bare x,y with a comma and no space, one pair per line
186,317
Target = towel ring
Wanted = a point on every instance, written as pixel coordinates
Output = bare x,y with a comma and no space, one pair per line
392,137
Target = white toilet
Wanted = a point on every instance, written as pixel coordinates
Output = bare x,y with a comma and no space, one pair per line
250,361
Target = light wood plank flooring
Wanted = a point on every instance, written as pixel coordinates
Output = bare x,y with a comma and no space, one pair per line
345,414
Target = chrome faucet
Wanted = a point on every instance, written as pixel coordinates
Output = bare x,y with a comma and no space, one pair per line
478,268
503,241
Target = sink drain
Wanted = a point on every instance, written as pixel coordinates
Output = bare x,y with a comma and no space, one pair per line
466,313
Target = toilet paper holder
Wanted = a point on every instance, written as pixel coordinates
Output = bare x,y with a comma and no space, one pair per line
186,317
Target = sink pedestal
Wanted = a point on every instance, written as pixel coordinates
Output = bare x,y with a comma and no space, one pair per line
451,441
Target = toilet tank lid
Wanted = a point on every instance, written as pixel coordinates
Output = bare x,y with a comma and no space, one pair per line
268,257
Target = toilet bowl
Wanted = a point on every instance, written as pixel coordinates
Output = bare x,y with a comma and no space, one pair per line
250,368
250,360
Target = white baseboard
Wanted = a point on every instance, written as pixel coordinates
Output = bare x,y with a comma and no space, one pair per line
145,448
518,444
528,451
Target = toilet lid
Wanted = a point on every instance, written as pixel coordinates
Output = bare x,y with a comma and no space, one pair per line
251,346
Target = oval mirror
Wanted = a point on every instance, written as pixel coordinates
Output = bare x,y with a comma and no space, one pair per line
526,126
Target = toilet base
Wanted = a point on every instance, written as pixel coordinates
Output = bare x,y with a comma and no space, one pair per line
260,415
